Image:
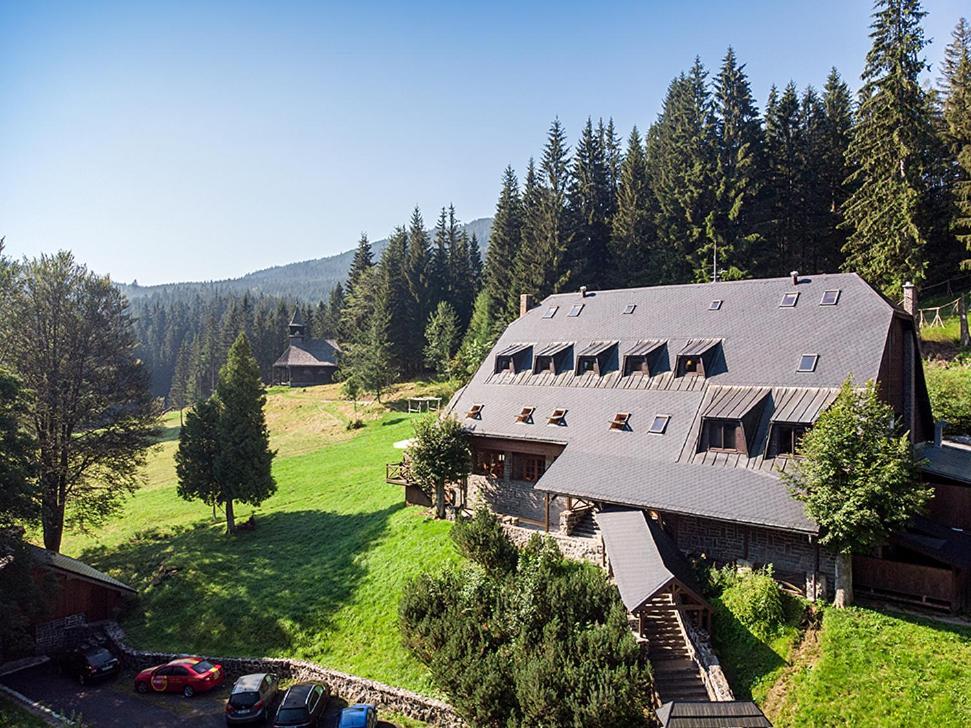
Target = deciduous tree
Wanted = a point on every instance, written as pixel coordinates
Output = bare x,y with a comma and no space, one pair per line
439,454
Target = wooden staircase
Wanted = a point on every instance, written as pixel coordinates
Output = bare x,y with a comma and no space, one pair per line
586,527
676,676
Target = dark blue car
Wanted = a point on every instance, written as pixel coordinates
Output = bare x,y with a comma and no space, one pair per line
359,716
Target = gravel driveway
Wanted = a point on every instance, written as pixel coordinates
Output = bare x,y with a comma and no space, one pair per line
115,704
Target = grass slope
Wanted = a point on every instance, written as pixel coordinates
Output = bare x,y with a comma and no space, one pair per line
321,576
878,669
13,716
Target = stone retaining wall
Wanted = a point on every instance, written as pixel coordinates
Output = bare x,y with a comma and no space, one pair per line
349,687
572,547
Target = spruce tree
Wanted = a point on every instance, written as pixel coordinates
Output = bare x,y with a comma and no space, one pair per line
832,171
529,272
504,243
739,174
633,245
681,162
591,203
475,263
330,325
369,365
552,221
416,267
362,261
242,463
393,295
461,288
784,150
814,214
438,278
442,335
956,88
888,152
195,459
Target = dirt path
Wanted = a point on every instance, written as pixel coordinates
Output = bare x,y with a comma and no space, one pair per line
803,656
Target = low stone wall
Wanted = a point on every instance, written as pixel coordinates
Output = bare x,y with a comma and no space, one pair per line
704,656
572,547
349,687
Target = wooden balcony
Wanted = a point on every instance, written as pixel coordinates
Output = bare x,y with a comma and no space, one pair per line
397,474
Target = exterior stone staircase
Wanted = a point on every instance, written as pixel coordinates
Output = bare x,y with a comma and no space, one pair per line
676,675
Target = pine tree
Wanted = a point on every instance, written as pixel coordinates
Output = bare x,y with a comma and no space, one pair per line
393,298
416,266
888,152
739,174
814,213
461,288
552,223
784,149
633,246
681,162
369,365
613,151
475,263
529,272
243,460
197,454
442,335
330,324
438,277
832,171
956,88
591,203
363,260
504,242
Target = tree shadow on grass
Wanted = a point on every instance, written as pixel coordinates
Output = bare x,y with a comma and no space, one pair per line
744,657
168,434
257,593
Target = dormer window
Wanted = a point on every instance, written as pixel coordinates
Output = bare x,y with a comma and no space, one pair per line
723,435
807,362
525,415
643,358
697,358
596,358
513,359
557,418
551,358
732,419
830,298
474,413
551,312
789,300
620,421
575,310
786,437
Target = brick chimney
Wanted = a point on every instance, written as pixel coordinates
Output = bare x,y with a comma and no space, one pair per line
910,298
526,302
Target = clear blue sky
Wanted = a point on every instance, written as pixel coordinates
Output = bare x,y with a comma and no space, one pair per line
194,140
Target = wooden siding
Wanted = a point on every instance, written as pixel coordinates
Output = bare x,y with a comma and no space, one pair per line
928,585
72,595
951,505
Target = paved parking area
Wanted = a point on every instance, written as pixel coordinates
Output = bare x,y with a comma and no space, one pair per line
115,704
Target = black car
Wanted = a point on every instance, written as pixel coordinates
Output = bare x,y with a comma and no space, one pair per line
252,698
88,664
302,706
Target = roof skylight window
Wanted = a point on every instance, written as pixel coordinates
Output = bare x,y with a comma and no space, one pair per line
830,298
789,300
715,305
557,418
807,362
620,421
575,310
475,412
629,308
526,415
551,312
660,424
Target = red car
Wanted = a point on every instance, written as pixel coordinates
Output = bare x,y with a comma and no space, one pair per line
186,675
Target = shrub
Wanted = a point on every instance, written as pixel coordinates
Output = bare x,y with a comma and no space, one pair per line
755,598
482,540
356,424
949,387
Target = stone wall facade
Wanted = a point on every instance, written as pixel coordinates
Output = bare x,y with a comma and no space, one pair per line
791,554
513,498
348,687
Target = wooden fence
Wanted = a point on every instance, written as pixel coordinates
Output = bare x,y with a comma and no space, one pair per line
928,585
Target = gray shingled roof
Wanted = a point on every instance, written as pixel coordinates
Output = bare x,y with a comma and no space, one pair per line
717,714
60,562
643,558
952,461
310,353
761,344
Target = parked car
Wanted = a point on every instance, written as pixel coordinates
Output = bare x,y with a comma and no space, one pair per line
359,716
302,706
87,664
186,675
252,698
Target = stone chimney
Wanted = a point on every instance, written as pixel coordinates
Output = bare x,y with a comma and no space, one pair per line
910,298
583,291
795,277
526,302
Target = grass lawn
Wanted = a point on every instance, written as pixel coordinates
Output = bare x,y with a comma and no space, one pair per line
321,576
877,669
13,716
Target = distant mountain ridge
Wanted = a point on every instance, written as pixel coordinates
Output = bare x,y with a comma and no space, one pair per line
307,280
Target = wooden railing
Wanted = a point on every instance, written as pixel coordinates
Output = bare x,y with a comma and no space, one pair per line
397,473
925,584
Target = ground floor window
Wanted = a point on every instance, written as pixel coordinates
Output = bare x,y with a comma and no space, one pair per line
528,467
489,462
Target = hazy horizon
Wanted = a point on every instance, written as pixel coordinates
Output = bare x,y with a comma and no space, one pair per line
200,143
